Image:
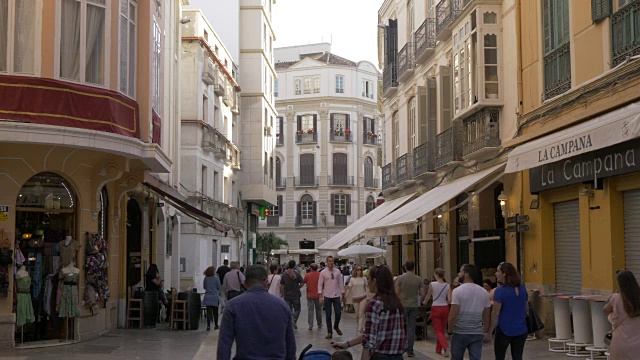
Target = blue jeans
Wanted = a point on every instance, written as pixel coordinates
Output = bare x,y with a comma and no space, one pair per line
313,305
410,319
294,305
337,307
461,342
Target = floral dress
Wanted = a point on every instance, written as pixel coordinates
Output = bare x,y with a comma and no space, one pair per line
69,303
24,308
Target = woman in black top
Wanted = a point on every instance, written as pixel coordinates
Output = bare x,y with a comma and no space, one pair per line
153,282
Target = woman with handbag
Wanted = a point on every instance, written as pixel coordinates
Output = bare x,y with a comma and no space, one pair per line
623,310
509,314
357,290
439,290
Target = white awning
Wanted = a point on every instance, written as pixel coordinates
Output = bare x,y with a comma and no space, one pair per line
303,251
612,128
363,223
279,252
404,220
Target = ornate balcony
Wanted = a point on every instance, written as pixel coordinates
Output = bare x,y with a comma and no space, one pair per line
215,142
281,183
425,39
306,221
370,138
340,180
304,137
387,176
625,32
481,133
390,79
306,181
423,160
446,12
340,220
403,169
339,135
557,71
405,61
448,147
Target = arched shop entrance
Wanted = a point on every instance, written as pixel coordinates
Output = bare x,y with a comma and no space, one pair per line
45,216
134,243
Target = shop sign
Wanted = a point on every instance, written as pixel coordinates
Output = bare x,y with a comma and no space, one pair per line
614,160
4,213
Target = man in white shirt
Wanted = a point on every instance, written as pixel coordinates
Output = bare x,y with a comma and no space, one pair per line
469,315
331,291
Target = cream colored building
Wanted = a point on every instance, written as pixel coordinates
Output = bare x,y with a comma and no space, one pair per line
326,160
89,131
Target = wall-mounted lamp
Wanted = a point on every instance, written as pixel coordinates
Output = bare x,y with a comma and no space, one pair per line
502,198
185,21
323,218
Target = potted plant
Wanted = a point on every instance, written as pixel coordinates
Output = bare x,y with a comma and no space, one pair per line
369,133
310,131
348,131
299,132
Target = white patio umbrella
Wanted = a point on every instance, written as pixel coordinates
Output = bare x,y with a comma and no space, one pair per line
361,249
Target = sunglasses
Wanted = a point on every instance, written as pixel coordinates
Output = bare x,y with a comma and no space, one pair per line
331,276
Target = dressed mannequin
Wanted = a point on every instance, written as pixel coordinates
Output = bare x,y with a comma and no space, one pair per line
24,308
69,302
68,249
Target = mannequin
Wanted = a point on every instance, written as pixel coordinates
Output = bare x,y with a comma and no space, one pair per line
69,299
67,249
24,308
68,240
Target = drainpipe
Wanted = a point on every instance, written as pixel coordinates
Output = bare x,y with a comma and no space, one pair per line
519,55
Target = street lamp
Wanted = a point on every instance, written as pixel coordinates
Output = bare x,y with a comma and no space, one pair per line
502,198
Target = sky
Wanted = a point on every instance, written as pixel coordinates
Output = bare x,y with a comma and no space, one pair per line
349,25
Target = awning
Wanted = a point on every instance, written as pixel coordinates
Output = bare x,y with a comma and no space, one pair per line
612,128
279,252
404,220
363,223
303,251
174,198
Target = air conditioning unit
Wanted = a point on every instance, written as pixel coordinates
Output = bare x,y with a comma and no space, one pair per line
268,131
208,73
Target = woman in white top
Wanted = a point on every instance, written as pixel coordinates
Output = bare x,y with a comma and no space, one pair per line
357,289
274,281
439,289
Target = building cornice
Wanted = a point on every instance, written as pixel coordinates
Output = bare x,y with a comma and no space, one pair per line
328,102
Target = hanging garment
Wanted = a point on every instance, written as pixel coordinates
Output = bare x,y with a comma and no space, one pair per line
69,298
48,288
24,308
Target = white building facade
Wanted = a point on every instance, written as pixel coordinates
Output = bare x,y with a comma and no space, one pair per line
326,161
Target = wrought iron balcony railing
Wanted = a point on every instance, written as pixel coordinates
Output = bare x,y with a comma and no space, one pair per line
306,221
625,32
448,147
370,139
387,176
340,220
557,71
340,135
481,131
389,77
340,180
306,181
446,12
305,137
405,60
279,139
371,183
422,159
403,168
273,221
281,183
425,38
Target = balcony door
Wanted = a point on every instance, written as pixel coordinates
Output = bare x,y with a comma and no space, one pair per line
339,169
307,169
368,172
279,182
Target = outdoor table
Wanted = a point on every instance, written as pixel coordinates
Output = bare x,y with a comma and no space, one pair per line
562,317
601,325
582,324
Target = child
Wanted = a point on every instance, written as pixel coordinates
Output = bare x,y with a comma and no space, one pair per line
342,355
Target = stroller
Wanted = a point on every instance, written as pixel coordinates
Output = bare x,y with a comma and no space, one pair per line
314,354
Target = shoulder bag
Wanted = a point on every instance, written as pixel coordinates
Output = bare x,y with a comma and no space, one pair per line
534,323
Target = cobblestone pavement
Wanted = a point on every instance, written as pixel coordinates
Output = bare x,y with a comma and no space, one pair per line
161,343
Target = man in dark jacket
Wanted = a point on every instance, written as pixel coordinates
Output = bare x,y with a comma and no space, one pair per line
292,281
223,270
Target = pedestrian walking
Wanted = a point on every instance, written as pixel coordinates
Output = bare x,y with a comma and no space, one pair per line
292,282
331,290
408,287
357,290
508,314
275,286
384,336
223,270
623,311
439,291
211,284
313,298
469,315
256,322
233,284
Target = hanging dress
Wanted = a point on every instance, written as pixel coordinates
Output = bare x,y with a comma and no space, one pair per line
24,308
69,298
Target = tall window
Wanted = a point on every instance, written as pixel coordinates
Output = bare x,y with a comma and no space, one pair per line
307,122
463,65
339,84
279,181
396,135
157,64
316,85
368,172
306,210
367,89
412,123
410,20
275,93
340,169
370,204
340,208
491,66
557,56
307,170
298,87
17,56
128,47
307,85
82,40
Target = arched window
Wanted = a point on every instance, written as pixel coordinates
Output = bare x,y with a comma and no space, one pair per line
306,211
368,173
298,87
370,204
46,191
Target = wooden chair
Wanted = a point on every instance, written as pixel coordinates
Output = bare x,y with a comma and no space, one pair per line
179,311
424,314
135,311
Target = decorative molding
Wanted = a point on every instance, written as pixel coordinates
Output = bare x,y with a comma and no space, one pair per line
324,114
411,92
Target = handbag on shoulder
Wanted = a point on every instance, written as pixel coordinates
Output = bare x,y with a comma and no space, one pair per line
534,323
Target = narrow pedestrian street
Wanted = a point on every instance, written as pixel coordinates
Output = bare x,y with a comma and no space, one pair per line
161,343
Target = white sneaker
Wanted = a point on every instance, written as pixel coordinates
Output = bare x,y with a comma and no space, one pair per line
445,353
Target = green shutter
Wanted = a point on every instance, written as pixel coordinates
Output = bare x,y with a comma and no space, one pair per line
600,9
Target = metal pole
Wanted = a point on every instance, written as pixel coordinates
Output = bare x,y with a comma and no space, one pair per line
518,246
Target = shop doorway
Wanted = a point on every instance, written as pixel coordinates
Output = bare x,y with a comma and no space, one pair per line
134,243
45,216
462,230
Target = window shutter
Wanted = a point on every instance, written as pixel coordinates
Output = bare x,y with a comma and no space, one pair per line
299,122
546,25
365,124
386,45
332,122
600,9
348,204
315,213
432,108
333,204
447,95
315,123
363,87
281,120
346,123
299,212
280,208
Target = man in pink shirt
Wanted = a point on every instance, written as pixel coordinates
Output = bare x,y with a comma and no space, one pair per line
331,291
313,298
